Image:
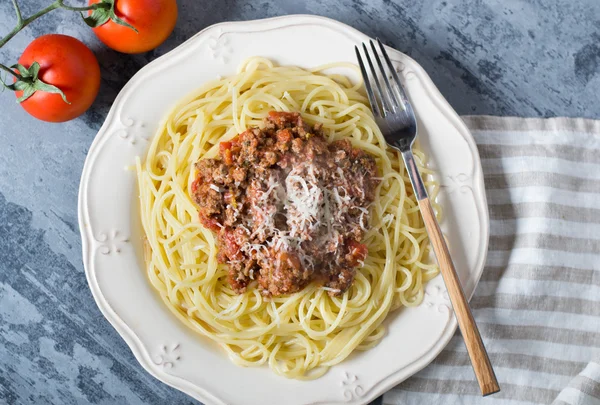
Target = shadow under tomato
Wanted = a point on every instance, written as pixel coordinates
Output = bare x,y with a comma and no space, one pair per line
116,70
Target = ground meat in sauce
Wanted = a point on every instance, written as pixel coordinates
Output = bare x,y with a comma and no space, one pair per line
289,207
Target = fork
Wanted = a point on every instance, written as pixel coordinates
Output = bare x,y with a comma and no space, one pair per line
396,119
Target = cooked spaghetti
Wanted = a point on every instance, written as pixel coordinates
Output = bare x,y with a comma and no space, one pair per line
300,332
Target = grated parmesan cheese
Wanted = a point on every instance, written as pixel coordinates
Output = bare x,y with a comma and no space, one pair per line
333,290
387,220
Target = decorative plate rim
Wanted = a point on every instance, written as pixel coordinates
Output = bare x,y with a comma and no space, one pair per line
270,24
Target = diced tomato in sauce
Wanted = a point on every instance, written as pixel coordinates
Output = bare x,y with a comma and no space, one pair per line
228,149
230,248
282,117
225,145
358,251
195,184
210,223
225,150
284,136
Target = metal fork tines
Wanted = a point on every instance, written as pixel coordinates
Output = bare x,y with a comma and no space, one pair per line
392,109
396,119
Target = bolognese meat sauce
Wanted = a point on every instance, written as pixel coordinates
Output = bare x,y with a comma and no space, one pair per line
289,208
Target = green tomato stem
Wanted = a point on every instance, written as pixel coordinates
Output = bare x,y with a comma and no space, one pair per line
22,23
9,70
18,12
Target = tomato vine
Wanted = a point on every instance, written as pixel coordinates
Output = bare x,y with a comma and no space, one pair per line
27,77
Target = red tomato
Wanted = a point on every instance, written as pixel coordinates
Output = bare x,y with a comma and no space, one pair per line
225,150
154,20
196,184
358,251
223,146
65,62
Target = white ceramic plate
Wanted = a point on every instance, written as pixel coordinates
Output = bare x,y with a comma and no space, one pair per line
111,231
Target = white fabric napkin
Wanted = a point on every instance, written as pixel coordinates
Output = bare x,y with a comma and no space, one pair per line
538,301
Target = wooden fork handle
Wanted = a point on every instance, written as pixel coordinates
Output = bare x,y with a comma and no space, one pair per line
479,357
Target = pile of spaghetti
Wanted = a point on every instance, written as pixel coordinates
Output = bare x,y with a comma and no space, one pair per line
299,335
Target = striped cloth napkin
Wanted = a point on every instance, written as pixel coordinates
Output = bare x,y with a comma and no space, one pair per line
538,301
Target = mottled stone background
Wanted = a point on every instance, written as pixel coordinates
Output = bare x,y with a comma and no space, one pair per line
500,57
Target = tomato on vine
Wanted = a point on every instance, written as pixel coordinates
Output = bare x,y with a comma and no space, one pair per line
60,78
139,26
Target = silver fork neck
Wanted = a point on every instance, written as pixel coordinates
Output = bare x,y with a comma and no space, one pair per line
413,174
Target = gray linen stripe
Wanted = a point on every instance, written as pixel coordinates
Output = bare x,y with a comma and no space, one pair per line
544,241
538,303
515,361
541,179
545,210
558,124
461,387
586,385
566,152
541,333
538,272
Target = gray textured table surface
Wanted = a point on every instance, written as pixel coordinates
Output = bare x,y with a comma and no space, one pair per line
516,57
